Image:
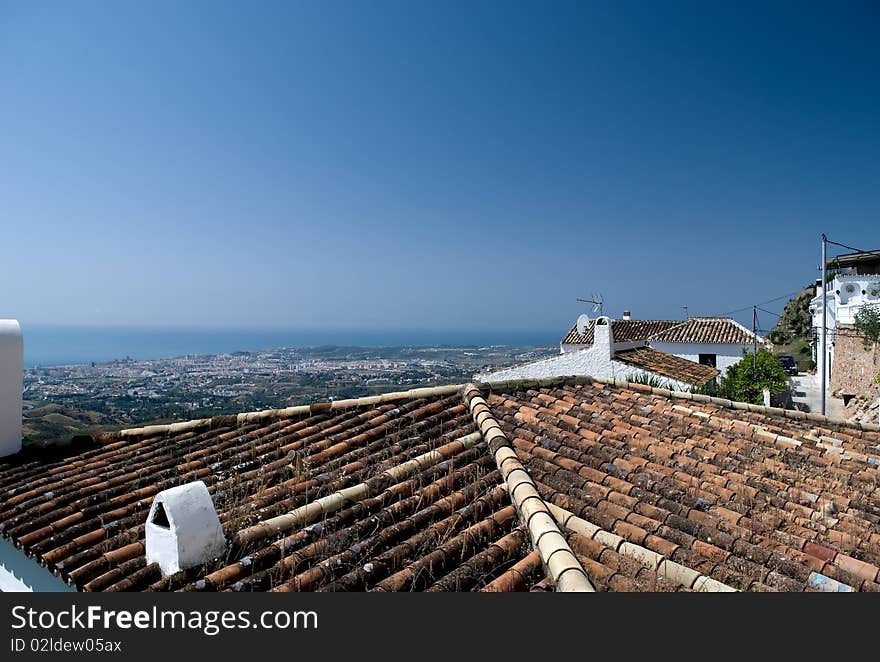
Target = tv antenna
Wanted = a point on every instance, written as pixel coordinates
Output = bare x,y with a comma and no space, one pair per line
598,302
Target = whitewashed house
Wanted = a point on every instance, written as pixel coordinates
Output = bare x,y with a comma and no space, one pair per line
856,283
716,341
666,349
599,352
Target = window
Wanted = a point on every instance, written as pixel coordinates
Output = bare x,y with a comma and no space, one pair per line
708,359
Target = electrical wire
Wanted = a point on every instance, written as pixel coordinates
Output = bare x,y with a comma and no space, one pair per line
769,312
763,303
850,248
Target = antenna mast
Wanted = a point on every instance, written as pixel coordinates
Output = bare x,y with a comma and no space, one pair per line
598,302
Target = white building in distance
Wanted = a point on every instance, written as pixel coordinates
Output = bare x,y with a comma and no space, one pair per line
679,354
856,284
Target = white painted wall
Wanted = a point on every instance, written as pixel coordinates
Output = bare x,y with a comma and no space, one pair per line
10,583
583,362
563,347
596,360
18,573
848,296
11,379
618,346
726,354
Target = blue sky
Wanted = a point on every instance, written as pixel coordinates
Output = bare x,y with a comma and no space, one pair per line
446,165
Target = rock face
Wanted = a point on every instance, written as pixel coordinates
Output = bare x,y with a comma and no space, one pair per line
796,320
793,331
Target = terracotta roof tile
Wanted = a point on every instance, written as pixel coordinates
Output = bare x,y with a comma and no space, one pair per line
82,513
667,365
726,499
677,493
712,330
623,331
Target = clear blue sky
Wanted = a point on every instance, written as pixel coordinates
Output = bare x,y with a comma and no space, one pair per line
446,165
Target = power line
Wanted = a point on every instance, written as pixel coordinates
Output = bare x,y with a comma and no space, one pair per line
763,303
850,248
769,312
731,312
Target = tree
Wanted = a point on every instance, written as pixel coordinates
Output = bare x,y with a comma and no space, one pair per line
747,380
867,322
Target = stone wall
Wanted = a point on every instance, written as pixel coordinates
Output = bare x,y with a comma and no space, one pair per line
854,367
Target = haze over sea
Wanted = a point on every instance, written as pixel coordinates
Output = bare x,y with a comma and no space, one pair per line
44,346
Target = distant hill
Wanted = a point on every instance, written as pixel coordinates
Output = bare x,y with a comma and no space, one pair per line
793,330
55,421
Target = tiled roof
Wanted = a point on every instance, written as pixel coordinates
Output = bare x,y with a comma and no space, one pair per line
667,365
430,509
755,498
712,330
566,484
623,330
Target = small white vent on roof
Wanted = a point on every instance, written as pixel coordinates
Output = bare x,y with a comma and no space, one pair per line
183,529
11,378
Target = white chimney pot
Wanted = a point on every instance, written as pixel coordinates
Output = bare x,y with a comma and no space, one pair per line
11,381
183,529
603,337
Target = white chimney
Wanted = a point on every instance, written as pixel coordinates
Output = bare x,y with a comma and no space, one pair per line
11,379
603,337
626,315
183,529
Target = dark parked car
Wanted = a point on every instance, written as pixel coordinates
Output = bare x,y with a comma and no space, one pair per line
789,364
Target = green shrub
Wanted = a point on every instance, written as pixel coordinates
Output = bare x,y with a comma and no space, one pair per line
867,322
747,380
647,379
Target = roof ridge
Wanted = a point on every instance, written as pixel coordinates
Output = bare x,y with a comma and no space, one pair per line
284,412
696,397
679,573
561,563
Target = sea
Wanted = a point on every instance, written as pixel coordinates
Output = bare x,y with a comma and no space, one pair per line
48,346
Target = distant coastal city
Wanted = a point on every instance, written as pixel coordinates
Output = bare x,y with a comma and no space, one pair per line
65,399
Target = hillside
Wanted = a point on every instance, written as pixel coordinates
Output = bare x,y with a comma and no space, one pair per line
793,330
44,423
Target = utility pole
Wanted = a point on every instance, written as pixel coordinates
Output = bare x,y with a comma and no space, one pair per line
755,339
824,334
